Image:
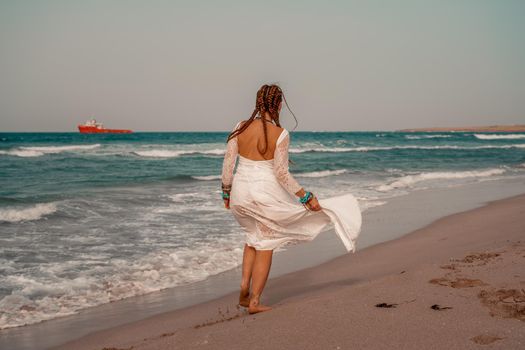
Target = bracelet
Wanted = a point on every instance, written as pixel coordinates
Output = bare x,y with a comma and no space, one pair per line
307,196
226,191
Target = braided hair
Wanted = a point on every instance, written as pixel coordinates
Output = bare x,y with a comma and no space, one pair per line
268,99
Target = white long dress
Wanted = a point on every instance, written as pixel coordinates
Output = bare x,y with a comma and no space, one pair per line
263,201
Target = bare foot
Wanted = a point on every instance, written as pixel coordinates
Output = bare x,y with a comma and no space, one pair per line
244,298
255,307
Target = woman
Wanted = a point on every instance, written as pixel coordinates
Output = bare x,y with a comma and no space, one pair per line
268,202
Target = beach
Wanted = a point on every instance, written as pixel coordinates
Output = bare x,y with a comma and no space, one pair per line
113,230
457,283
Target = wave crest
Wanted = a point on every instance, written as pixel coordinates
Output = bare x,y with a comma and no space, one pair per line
207,177
419,137
32,213
43,150
165,153
322,173
499,137
408,180
22,153
388,148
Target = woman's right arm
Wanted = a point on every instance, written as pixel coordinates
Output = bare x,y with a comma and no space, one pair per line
281,170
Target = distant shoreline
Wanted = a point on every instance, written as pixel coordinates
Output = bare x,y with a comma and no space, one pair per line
491,128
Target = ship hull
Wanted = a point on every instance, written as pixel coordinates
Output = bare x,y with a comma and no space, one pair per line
94,130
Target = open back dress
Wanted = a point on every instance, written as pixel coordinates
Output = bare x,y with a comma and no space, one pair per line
263,201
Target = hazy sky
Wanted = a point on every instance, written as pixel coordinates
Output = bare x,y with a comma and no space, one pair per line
196,65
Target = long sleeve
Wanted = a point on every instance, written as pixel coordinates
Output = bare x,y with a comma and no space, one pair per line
280,165
230,158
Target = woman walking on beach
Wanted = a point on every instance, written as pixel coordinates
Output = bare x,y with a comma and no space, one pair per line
269,204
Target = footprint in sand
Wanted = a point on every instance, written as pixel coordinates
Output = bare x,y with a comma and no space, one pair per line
479,258
485,339
506,303
458,282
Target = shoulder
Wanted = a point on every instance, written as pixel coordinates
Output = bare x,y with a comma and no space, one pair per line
283,135
277,130
239,124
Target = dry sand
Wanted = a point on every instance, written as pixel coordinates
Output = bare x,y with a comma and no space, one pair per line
458,283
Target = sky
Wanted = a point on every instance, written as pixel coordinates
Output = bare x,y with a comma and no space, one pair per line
197,65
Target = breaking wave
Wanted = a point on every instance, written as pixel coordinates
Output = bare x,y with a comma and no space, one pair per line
207,177
419,137
51,295
32,213
387,148
499,137
322,173
43,150
408,180
164,153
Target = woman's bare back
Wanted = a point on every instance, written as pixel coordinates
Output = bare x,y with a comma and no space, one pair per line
253,138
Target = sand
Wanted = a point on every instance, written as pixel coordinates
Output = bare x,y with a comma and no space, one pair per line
458,283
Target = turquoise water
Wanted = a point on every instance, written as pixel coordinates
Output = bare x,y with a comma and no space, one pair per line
88,219
40,166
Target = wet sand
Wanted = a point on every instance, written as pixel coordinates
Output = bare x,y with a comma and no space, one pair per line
457,283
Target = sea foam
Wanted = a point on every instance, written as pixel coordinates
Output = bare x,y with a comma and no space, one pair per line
207,177
158,153
52,295
387,148
22,153
419,137
409,180
58,149
166,153
322,173
31,213
43,150
499,137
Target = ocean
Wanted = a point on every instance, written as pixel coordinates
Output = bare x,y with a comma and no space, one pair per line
90,219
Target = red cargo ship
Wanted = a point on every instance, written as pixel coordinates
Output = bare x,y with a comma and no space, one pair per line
92,127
